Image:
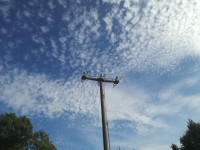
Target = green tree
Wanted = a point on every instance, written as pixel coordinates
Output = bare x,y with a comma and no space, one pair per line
14,131
174,147
191,138
41,141
17,133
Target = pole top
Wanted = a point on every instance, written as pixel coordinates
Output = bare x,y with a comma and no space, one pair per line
101,78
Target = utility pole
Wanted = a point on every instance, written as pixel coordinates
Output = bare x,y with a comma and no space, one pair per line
100,80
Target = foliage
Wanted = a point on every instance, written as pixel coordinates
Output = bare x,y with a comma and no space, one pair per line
41,141
191,138
17,133
174,147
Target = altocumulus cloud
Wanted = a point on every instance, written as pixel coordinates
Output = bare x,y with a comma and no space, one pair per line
129,36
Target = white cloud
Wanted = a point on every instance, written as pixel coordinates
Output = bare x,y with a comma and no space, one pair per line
37,94
131,104
38,39
27,13
174,98
51,5
167,31
44,29
112,1
63,3
167,34
161,34
66,17
146,36
108,22
5,8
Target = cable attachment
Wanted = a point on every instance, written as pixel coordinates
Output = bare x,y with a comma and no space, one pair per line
116,81
83,78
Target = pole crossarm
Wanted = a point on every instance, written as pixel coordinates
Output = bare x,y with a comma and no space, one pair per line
100,79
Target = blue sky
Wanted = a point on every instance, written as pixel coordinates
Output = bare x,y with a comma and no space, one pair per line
154,45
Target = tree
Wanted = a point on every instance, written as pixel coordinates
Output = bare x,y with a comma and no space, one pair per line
17,133
191,138
14,131
41,141
174,147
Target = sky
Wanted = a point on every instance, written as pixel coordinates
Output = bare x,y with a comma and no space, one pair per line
45,46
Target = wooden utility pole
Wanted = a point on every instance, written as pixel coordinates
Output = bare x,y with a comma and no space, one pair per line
100,80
